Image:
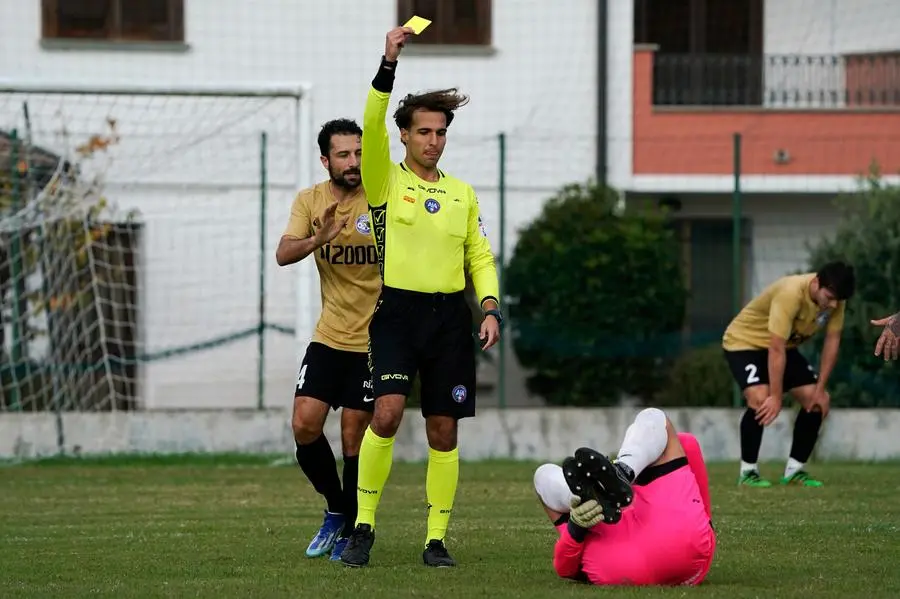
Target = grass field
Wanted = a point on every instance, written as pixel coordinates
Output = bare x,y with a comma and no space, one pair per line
237,527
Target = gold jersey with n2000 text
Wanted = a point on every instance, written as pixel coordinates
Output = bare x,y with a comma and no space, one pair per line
348,266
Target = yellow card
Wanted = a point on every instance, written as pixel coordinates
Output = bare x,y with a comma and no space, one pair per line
418,24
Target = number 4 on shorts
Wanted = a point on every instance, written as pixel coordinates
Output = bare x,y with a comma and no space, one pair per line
301,377
751,374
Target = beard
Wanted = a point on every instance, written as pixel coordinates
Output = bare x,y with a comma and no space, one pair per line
341,179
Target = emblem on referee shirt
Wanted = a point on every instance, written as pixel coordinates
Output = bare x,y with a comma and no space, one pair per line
432,205
362,224
459,393
822,318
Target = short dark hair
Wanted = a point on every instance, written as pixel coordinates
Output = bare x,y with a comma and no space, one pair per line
838,277
442,100
336,127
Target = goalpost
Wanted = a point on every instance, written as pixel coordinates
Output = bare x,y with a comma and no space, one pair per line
137,232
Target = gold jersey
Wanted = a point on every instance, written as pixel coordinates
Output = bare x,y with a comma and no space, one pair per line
348,266
784,308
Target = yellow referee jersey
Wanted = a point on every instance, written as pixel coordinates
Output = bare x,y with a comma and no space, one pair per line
428,234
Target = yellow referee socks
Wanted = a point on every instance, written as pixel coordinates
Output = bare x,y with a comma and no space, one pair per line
440,488
375,457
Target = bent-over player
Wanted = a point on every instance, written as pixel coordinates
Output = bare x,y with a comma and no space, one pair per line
761,349
331,222
645,519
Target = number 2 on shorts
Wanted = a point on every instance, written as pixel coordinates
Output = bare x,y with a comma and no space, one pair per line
751,374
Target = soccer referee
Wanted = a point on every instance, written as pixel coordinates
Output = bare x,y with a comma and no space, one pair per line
429,234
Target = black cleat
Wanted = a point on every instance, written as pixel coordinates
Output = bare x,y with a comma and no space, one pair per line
437,556
587,488
613,482
356,553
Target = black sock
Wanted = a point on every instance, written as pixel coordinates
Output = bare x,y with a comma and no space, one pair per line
806,433
351,474
317,462
751,437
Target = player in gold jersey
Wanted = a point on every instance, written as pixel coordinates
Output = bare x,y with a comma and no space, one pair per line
429,235
761,349
331,222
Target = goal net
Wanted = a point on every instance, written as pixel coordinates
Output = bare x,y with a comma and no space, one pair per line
137,229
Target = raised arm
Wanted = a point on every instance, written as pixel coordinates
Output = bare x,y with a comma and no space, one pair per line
376,153
376,161
298,240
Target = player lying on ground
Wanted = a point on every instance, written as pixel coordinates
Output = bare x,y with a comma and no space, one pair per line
428,231
331,222
761,349
889,341
644,519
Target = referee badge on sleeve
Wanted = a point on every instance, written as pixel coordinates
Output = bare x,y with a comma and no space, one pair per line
481,226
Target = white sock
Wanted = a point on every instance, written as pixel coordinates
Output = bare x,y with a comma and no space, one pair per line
747,467
550,484
645,440
793,467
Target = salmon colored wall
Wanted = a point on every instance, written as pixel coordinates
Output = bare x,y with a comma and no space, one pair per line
698,140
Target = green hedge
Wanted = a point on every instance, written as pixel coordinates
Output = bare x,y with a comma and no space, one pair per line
596,299
699,377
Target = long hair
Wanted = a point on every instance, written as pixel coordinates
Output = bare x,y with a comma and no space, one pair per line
442,100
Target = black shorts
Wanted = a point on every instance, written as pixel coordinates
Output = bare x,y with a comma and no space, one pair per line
430,334
750,367
337,377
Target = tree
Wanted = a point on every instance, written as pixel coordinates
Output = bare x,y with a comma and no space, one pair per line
868,237
597,299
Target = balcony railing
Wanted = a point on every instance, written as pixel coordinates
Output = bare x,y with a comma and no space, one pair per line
778,81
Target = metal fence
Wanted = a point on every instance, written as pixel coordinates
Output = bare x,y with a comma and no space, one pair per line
786,81
102,360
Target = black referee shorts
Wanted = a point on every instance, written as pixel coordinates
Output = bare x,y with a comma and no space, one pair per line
428,333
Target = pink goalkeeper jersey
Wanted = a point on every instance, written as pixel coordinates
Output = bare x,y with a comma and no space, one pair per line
664,538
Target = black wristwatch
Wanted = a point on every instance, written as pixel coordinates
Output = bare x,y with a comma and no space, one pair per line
496,314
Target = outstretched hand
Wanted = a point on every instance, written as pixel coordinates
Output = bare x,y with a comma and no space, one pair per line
889,341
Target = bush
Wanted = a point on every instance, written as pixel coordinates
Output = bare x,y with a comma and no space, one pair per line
868,237
595,298
699,377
